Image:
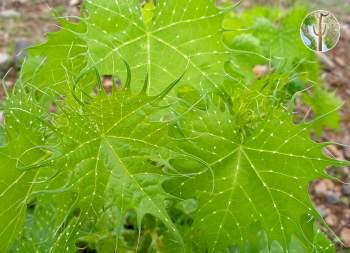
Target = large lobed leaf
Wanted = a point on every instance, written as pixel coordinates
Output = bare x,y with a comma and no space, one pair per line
113,159
112,153
255,177
160,42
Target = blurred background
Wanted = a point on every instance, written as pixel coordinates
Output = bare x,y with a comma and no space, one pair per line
25,22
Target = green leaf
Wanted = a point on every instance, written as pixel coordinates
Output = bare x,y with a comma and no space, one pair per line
269,36
326,107
49,65
245,177
186,32
249,54
25,145
278,38
113,151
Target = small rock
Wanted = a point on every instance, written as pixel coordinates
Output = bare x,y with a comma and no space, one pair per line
347,213
323,187
345,236
9,14
335,82
2,119
4,58
337,153
332,198
9,84
346,189
340,61
346,31
346,152
2,95
260,71
332,220
5,62
322,211
20,48
107,83
344,200
74,2
326,61
52,108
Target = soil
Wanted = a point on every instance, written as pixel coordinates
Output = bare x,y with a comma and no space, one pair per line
336,209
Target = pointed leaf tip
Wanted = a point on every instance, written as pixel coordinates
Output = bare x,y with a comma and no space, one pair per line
128,76
170,87
145,85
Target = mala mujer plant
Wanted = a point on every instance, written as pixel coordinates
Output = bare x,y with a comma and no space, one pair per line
175,157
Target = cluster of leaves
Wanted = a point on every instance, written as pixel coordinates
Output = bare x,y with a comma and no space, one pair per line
270,36
177,155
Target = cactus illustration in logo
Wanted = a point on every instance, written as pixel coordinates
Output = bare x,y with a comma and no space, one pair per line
320,31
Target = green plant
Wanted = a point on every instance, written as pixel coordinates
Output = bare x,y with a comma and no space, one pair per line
174,157
270,36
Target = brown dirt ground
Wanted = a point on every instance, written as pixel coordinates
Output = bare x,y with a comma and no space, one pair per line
337,213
